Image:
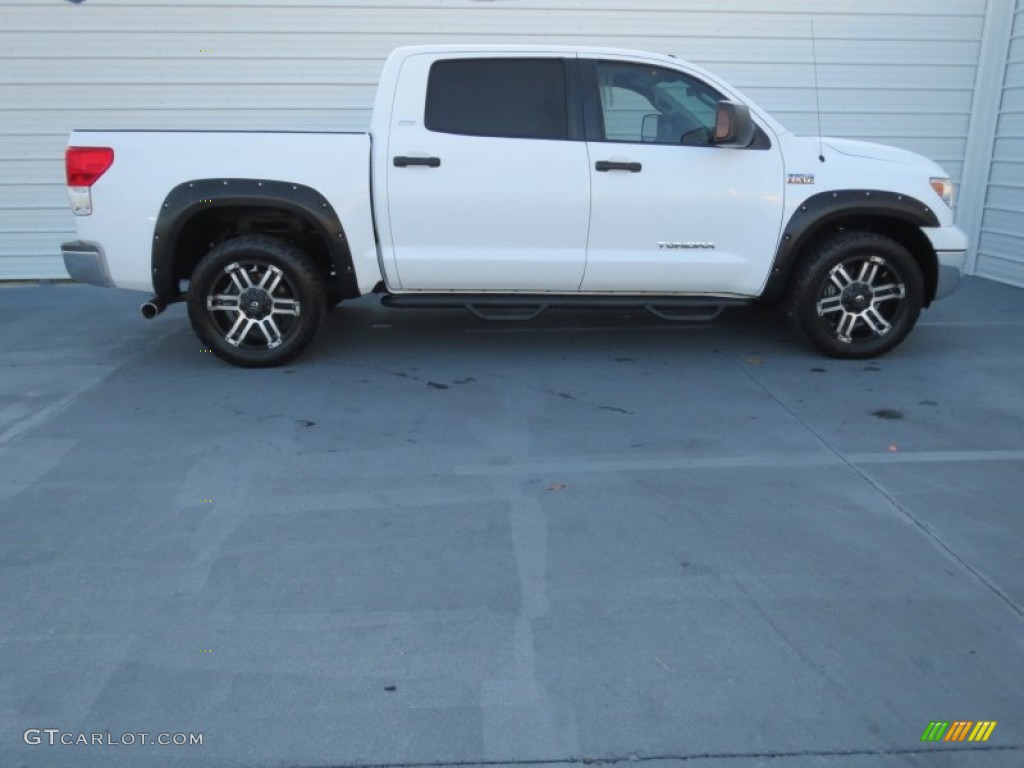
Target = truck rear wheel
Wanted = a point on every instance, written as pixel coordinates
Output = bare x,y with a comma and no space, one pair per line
256,301
857,295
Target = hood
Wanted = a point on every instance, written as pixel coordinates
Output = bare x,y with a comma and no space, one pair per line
881,152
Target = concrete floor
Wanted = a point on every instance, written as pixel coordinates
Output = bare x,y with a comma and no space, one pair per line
435,540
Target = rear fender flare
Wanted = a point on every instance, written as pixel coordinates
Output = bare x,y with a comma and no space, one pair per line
192,197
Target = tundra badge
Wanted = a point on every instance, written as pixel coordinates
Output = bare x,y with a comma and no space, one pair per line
674,246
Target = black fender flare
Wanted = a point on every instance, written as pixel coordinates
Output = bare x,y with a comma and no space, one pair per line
192,197
820,210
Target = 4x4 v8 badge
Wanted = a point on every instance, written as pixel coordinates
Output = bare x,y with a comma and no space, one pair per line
801,178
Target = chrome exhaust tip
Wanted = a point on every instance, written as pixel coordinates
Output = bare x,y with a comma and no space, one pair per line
153,307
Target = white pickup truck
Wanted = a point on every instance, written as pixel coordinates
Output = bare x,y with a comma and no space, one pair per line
508,179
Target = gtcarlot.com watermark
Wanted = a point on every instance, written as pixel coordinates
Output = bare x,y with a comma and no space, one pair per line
55,737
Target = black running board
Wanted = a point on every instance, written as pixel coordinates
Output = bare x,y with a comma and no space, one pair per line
525,306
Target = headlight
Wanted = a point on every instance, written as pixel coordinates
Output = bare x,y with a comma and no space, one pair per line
944,188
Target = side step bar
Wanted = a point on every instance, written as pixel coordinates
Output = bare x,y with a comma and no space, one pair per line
528,306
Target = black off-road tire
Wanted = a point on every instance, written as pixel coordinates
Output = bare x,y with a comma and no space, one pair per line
856,295
256,301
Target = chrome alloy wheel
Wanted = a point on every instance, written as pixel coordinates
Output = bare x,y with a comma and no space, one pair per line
861,298
253,305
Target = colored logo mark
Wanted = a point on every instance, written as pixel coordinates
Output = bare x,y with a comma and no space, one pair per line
959,730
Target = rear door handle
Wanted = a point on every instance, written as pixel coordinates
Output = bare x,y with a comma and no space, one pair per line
404,162
609,165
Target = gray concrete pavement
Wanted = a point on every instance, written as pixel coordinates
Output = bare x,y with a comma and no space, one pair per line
438,540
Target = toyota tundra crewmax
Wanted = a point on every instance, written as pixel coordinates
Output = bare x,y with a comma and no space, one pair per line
509,179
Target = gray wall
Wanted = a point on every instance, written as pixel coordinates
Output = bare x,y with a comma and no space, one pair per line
901,72
1000,253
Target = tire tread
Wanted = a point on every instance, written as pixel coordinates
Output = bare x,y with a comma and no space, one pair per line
800,298
287,256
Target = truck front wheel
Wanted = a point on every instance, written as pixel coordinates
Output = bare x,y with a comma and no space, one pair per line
857,295
256,301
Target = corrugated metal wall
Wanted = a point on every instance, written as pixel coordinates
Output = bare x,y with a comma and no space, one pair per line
1001,241
896,71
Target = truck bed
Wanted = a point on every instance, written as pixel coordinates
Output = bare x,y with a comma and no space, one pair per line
148,164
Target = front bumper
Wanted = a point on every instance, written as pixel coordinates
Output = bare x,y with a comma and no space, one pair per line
86,263
951,269
950,245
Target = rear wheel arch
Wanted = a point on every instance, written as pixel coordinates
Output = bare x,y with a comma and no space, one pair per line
198,215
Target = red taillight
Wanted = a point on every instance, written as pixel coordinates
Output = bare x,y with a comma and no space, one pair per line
85,165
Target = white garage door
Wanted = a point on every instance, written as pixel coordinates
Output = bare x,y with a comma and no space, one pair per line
1001,241
897,71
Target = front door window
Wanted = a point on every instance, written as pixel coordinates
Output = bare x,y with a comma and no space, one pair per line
654,105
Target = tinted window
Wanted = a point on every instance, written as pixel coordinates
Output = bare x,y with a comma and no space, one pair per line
651,104
514,98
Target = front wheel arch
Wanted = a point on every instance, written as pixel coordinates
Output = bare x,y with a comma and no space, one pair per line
897,216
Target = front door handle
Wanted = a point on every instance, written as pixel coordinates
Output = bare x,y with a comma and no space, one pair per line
404,162
609,165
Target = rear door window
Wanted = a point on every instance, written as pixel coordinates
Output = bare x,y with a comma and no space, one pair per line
510,98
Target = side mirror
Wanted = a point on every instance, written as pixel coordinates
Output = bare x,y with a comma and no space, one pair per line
734,127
